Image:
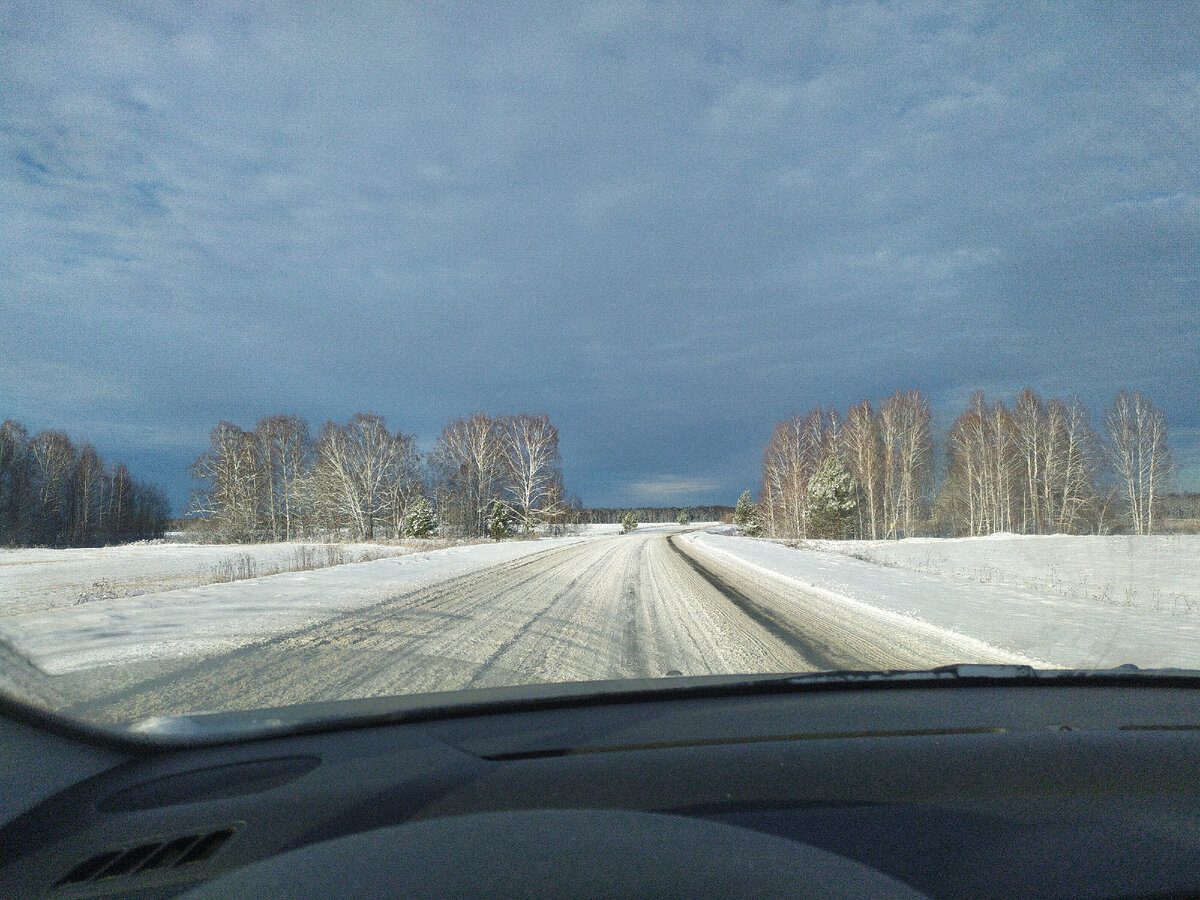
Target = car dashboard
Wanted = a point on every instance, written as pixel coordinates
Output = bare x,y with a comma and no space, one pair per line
1083,787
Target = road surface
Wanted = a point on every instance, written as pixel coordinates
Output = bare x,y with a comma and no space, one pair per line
648,604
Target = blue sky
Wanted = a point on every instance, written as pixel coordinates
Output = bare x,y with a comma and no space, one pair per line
665,225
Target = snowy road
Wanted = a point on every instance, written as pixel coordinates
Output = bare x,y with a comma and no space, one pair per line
642,605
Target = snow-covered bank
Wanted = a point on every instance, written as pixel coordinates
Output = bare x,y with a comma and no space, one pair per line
218,617
1159,572
33,579
1075,602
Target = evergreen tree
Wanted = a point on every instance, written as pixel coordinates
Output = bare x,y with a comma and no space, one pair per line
420,520
498,521
745,515
629,522
685,517
831,500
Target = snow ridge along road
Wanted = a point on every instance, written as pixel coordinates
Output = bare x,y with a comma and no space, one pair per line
648,604
832,631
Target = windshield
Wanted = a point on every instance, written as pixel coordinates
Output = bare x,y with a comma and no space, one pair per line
389,350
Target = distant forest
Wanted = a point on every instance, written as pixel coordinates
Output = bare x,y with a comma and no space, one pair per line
55,493
656,514
1182,507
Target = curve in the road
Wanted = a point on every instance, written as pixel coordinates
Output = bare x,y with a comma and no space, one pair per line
629,606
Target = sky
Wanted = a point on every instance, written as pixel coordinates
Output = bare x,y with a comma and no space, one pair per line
667,226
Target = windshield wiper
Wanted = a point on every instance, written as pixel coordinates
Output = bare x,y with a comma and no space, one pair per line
977,672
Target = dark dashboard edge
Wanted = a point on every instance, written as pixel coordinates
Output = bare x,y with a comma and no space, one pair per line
386,711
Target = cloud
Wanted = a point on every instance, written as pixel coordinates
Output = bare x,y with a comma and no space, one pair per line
43,384
672,489
667,225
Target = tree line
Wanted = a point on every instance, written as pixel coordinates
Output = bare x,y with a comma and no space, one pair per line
485,475
654,514
1182,506
1036,466
888,454
57,494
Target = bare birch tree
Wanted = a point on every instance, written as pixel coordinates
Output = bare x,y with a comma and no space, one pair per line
53,460
357,467
1140,457
1069,489
890,427
907,460
468,461
915,459
283,449
230,477
964,478
1031,436
797,447
87,494
532,466
982,468
405,485
1030,469
774,480
863,456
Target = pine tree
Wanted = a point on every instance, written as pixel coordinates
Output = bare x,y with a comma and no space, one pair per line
831,500
498,521
629,522
420,520
685,517
745,515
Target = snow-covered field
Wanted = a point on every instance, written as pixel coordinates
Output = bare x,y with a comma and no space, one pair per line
1059,601
1159,572
35,579
212,617
1074,602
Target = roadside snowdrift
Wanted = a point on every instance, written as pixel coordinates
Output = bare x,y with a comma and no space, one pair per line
1075,602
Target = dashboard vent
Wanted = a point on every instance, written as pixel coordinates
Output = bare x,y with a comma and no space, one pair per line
172,854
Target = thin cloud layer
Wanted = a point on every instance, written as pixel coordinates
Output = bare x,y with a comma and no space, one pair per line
666,225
